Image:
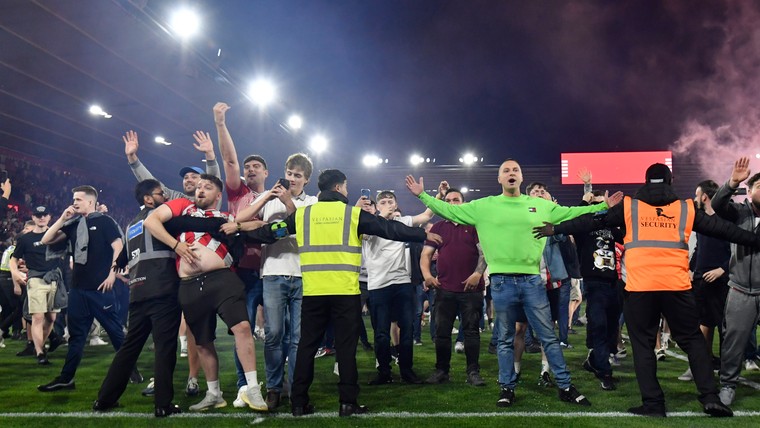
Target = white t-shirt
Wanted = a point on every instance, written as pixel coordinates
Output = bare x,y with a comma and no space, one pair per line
281,257
386,260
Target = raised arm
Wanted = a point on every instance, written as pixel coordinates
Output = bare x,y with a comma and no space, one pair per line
54,234
227,148
721,202
141,173
204,144
462,214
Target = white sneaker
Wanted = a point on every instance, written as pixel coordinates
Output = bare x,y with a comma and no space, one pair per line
751,365
210,401
192,389
660,354
686,376
726,395
97,341
239,403
183,353
454,330
258,333
459,347
2,341
254,400
335,369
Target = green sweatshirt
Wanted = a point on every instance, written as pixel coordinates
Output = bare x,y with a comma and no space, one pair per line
505,227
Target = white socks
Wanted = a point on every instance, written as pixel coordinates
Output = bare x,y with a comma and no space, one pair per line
517,367
183,342
251,379
213,387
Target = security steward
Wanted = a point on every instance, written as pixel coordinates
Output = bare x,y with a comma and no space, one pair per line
153,304
657,228
329,235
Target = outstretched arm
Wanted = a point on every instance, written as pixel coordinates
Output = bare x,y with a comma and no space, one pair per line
227,148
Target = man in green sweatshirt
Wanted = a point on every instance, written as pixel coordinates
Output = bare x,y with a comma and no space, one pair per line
504,224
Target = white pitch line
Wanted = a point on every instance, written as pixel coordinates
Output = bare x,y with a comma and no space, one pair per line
378,415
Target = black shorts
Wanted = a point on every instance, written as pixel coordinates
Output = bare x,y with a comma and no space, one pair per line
206,295
711,300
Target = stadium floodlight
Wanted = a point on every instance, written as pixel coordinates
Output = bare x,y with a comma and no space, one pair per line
318,143
372,160
97,110
416,159
295,122
464,189
262,92
468,159
162,140
185,23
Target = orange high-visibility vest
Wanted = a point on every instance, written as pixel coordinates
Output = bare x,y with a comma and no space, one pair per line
657,245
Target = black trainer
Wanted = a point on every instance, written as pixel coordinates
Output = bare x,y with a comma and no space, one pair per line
412,378
42,359
28,351
571,395
607,383
475,379
506,397
438,376
381,380
545,380
55,343
348,409
162,412
648,411
718,410
135,376
57,384
102,406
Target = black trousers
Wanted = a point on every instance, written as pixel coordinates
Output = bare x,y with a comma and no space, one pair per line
642,315
316,311
160,316
469,305
11,304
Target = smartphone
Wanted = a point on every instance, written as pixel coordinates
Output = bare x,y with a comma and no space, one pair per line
3,176
366,193
284,183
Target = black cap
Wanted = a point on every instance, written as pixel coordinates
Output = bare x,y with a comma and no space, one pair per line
187,169
659,173
40,211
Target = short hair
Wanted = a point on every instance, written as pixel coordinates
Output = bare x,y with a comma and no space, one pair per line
300,160
709,188
214,179
87,190
535,184
386,194
454,190
597,193
330,178
145,188
255,158
752,180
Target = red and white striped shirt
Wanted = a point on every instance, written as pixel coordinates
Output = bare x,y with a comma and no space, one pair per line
184,206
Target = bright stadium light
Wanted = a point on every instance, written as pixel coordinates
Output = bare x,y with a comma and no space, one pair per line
318,143
416,159
464,189
262,92
468,159
162,140
97,110
372,160
295,122
185,23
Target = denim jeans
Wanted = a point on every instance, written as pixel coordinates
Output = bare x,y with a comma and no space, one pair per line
283,296
254,296
420,297
394,302
602,311
510,294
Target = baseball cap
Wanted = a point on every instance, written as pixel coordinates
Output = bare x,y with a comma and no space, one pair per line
187,169
40,211
659,173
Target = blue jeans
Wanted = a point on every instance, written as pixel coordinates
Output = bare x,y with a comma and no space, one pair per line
254,296
602,312
84,305
394,302
420,297
283,296
510,294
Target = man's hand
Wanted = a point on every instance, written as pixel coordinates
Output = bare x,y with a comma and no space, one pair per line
20,279
434,237
365,204
220,109
16,289
203,142
413,186
543,231
614,199
277,192
588,197
712,275
102,208
185,251
740,172
6,187
107,285
68,213
130,143
584,175
472,281
432,281
442,189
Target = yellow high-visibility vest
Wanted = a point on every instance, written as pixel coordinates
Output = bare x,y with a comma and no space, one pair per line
330,248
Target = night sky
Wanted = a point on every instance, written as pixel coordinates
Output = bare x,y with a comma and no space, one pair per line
502,78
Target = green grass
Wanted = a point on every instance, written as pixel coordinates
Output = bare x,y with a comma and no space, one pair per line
20,376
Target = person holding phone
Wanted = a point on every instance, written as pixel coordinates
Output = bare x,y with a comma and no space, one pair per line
281,272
